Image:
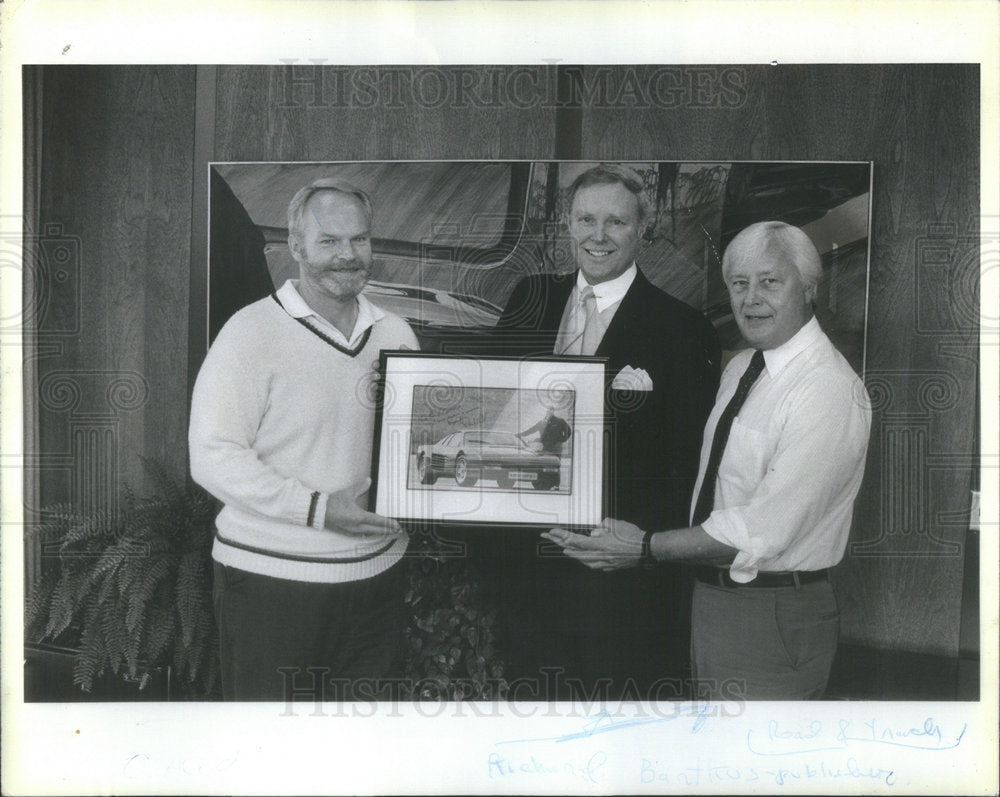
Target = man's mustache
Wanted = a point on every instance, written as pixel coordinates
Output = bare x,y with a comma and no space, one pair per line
351,265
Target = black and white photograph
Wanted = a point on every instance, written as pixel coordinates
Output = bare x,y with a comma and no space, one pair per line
499,441
451,239
491,449
389,409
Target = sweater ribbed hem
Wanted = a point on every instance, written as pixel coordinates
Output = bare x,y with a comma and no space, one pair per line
363,566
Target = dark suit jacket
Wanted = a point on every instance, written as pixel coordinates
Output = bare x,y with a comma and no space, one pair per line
655,436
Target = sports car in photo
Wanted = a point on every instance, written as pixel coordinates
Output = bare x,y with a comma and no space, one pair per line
503,457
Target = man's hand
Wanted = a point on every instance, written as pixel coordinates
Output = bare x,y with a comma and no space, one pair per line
344,514
377,362
614,545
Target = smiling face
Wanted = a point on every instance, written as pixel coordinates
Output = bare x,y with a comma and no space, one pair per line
770,301
333,248
605,227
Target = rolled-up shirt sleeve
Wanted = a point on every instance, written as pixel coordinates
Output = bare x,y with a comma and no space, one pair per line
789,477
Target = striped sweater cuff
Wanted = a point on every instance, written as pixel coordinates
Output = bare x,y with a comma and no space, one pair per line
311,518
317,511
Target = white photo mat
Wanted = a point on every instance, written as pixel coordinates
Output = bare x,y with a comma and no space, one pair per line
579,499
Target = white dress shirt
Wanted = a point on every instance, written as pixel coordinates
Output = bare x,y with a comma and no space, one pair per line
296,307
794,459
607,297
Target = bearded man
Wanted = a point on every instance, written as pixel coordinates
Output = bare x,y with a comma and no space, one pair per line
307,591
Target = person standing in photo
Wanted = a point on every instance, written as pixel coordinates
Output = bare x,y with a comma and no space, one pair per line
781,464
308,593
620,632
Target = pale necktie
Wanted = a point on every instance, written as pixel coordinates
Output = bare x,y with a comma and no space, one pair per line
581,326
591,327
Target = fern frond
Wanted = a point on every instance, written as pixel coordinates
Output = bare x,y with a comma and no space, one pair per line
135,582
201,644
141,595
180,661
126,578
155,617
132,652
164,483
99,525
54,521
93,654
161,630
155,544
191,579
127,500
87,666
115,639
64,605
108,589
108,562
36,608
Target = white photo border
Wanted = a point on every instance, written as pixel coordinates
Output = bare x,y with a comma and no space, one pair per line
141,748
391,495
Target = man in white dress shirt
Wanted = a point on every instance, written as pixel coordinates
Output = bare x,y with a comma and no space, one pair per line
781,464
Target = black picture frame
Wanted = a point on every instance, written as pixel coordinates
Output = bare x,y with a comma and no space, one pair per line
461,440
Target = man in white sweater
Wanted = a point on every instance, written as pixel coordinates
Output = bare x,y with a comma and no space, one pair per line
306,594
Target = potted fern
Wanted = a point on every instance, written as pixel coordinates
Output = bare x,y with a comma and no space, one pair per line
451,630
132,588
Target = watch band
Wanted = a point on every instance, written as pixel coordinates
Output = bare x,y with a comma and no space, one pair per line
646,558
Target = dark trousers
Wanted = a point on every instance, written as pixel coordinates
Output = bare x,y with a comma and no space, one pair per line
622,635
566,632
282,640
763,644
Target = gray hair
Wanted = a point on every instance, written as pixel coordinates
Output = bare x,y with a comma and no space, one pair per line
297,207
612,174
775,239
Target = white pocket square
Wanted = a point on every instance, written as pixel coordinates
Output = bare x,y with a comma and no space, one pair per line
630,378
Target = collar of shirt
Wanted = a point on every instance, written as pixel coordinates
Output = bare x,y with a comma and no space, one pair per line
296,307
610,292
776,359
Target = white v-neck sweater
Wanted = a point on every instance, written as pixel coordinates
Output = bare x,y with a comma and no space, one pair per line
280,418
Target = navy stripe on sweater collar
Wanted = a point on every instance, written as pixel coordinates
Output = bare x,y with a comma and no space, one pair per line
319,333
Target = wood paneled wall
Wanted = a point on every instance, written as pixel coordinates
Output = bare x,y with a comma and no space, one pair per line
115,236
901,581
117,163
311,112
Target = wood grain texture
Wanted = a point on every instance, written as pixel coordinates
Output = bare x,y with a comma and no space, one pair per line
307,112
116,180
901,581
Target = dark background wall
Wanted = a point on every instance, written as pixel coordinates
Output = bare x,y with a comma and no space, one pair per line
123,178
114,234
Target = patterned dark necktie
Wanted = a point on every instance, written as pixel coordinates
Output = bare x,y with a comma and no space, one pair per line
706,498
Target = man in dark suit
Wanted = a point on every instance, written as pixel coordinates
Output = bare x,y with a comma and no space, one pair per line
552,432
623,632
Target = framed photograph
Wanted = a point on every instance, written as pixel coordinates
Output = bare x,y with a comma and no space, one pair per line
152,205
490,440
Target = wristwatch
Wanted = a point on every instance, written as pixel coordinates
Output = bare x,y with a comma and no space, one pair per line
646,558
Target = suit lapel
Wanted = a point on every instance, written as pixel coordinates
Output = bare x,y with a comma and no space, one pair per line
625,332
559,288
